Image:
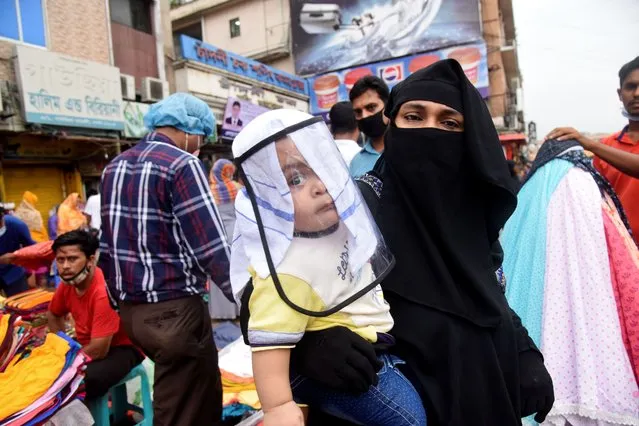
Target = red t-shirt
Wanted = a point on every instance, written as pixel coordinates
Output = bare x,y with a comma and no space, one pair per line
626,187
92,313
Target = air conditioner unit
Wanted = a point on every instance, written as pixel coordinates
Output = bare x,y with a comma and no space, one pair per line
320,18
128,86
154,89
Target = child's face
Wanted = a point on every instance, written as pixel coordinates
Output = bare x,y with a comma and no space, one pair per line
314,207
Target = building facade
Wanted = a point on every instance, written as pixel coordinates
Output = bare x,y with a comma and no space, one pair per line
70,71
235,55
286,33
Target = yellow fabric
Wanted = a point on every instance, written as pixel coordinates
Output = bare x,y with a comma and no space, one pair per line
29,214
4,326
24,382
29,299
70,217
271,315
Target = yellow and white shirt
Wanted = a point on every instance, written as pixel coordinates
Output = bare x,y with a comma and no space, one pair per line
314,275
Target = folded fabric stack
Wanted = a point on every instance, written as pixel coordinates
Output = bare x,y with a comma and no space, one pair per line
35,257
29,305
38,382
240,395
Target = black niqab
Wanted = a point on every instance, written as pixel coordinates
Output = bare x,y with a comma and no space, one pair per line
446,196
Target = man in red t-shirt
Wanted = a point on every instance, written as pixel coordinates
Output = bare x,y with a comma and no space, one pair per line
98,328
618,155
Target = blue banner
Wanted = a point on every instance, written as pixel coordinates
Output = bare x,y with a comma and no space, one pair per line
208,54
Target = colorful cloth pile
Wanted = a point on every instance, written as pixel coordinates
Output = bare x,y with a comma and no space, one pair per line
16,336
572,273
30,304
240,394
38,381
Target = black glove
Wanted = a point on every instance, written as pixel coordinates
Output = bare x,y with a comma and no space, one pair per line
537,393
337,358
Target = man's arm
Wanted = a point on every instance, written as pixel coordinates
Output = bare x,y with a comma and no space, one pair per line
625,162
55,323
201,225
24,235
98,348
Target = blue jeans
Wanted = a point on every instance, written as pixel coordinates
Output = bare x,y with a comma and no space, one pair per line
393,402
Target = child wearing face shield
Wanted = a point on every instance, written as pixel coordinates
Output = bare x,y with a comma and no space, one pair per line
306,240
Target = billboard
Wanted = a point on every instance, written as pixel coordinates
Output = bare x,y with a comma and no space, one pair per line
238,113
64,91
208,54
328,89
334,35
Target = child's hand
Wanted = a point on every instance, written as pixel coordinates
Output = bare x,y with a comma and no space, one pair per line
287,414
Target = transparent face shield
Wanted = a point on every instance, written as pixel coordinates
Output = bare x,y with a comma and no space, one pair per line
299,193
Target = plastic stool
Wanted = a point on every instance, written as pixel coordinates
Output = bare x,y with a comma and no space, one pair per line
100,407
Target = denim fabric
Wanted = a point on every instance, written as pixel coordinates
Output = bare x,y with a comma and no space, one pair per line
393,402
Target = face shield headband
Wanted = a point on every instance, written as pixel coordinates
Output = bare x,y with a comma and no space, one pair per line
350,215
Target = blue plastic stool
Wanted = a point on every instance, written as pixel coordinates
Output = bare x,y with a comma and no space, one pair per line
100,407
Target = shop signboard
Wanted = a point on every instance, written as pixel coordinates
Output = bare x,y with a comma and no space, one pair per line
338,34
238,113
208,54
61,90
133,116
328,89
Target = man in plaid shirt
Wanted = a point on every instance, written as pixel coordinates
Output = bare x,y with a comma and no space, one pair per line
162,238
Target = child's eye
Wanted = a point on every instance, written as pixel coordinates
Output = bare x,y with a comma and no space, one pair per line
296,180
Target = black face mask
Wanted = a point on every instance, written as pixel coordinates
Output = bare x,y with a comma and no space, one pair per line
427,157
372,126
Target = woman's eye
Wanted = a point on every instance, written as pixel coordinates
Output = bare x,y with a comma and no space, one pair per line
451,124
412,117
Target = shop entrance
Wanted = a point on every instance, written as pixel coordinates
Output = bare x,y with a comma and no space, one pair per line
48,183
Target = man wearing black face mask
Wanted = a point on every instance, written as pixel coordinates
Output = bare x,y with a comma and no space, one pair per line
369,95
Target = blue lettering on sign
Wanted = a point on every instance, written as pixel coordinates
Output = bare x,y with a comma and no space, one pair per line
196,50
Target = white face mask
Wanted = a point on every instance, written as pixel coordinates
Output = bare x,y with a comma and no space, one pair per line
628,115
77,278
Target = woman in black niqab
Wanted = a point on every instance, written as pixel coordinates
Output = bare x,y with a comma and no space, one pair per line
447,193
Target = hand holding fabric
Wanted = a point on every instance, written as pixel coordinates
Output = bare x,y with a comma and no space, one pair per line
568,133
537,392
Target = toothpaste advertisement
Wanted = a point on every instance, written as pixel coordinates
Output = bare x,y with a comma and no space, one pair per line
328,89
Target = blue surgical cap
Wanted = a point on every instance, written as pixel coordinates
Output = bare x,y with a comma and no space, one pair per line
182,111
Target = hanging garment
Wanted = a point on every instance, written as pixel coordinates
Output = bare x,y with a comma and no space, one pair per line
70,217
28,213
560,252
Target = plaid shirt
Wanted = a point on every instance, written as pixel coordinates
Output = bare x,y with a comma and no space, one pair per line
162,235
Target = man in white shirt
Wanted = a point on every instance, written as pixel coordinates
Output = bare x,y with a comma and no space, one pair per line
345,130
92,209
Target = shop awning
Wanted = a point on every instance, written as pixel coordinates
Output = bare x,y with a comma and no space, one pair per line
512,137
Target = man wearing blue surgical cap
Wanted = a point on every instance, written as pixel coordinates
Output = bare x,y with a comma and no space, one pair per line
162,239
